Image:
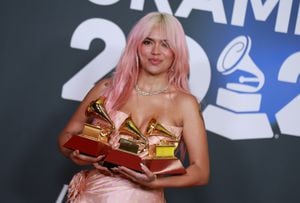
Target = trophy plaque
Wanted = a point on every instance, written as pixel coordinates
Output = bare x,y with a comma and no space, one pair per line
94,138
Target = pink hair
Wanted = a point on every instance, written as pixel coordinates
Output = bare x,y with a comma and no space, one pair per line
126,74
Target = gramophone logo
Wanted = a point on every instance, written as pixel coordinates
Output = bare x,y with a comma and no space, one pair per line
236,115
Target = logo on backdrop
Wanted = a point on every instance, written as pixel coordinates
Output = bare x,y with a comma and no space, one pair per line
236,115
239,103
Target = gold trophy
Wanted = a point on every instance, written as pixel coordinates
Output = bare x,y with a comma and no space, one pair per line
94,138
132,143
97,108
165,148
136,142
104,128
161,158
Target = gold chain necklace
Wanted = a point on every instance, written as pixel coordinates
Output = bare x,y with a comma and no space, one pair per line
145,93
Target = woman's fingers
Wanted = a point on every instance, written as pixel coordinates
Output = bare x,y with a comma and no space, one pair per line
102,168
148,176
142,178
151,176
126,173
82,159
87,158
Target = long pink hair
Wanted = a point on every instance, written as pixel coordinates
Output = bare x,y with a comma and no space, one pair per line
126,73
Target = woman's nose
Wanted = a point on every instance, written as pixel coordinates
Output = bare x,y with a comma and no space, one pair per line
156,49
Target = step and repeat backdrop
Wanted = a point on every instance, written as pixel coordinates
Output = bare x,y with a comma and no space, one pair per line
245,71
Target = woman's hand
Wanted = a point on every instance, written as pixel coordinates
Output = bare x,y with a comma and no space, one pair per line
145,179
82,159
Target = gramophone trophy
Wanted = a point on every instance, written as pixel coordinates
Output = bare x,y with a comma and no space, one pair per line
131,144
166,148
161,158
135,142
94,138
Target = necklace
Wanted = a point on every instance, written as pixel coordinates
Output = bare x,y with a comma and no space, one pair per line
145,93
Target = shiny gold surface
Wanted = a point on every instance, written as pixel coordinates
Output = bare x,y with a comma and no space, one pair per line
129,128
164,150
96,132
155,128
129,145
97,108
103,129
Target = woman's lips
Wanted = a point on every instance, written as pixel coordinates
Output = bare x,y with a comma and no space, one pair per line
155,61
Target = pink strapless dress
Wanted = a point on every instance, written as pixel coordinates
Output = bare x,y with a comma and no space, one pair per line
91,186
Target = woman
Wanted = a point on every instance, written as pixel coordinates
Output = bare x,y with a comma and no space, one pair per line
150,81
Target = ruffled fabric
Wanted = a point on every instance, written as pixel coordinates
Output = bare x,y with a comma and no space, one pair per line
94,187
77,186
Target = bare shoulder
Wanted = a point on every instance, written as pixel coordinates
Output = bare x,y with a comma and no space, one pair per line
189,109
187,101
99,87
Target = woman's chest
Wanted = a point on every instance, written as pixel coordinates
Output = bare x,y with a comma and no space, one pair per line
143,110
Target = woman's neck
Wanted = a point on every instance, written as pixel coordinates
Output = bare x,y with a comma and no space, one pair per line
152,83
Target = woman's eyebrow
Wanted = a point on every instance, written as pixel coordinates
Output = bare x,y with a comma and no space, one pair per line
152,39
149,38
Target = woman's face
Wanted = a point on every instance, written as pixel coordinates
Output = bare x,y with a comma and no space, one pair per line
155,54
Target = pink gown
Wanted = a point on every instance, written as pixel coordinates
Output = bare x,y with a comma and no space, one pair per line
90,186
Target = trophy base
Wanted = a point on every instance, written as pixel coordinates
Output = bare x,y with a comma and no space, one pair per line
117,157
87,146
167,166
162,165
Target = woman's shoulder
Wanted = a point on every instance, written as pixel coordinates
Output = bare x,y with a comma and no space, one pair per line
186,100
101,85
99,88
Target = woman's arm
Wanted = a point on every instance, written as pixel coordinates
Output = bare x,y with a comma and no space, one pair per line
194,134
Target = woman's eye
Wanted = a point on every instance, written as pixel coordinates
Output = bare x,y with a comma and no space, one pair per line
165,44
146,42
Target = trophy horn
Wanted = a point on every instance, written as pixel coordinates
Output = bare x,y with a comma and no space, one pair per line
128,127
155,128
97,108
